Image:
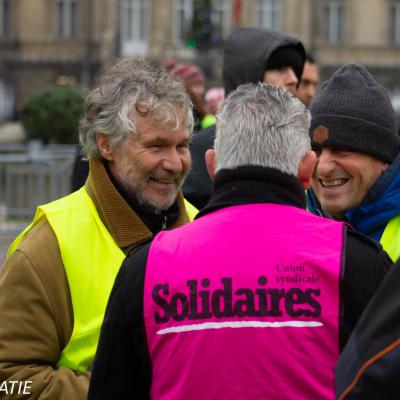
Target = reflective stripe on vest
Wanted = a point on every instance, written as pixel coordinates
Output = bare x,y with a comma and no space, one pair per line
91,260
390,239
244,303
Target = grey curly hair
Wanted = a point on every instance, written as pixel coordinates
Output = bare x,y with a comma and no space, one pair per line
127,88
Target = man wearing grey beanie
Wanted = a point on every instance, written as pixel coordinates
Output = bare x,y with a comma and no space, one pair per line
357,178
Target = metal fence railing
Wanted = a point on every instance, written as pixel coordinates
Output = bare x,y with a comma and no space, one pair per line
30,174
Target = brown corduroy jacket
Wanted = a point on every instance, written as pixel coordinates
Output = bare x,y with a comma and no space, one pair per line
35,304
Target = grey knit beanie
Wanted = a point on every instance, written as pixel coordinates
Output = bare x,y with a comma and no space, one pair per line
354,112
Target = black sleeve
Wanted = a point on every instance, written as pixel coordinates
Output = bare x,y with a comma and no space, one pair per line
369,367
198,186
122,366
366,265
80,170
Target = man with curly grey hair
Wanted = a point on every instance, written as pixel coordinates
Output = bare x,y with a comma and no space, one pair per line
59,272
252,300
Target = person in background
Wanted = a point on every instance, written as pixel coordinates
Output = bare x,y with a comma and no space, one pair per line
251,55
214,98
80,170
255,298
193,79
307,88
55,283
357,178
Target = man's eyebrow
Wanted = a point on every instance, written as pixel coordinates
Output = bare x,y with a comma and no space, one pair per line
158,139
161,139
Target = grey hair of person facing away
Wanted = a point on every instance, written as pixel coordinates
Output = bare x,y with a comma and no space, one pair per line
262,125
132,87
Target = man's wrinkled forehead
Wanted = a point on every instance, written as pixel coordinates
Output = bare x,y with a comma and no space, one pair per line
171,117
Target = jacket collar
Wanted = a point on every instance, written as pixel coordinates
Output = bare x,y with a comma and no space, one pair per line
253,184
380,205
122,222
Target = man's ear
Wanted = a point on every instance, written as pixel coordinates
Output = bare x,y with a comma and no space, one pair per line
211,163
306,168
104,147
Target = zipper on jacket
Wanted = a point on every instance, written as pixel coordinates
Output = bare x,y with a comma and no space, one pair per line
164,222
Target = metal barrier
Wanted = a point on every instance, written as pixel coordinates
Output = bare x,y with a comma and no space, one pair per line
30,174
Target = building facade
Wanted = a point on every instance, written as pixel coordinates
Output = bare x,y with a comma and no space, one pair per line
44,42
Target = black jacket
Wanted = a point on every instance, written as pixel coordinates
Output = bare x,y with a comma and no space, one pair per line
80,170
369,367
122,357
246,55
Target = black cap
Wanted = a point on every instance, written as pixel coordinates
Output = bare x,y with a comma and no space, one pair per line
286,56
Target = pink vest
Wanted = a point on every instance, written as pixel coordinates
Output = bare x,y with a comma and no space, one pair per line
244,304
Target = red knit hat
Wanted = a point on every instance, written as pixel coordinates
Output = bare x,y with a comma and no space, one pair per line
189,73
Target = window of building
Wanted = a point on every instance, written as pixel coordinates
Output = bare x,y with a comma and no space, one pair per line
267,14
66,18
183,19
134,26
334,21
394,22
5,17
222,16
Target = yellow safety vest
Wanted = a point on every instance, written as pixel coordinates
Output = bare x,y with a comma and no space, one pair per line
91,260
191,210
390,239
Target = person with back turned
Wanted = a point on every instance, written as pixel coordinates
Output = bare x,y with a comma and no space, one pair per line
255,298
251,55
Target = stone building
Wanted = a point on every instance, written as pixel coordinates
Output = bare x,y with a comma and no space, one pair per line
44,42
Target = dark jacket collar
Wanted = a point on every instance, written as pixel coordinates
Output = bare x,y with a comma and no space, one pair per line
253,184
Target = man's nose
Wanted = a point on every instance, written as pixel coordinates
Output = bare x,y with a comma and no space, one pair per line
311,90
173,161
291,78
290,82
326,163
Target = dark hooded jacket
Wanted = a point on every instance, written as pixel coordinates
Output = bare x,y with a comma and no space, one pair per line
246,55
369,367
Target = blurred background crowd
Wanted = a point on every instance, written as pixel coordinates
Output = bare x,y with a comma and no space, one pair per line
66,42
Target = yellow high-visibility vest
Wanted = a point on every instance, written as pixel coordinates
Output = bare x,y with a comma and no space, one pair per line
390,239
91,260
191,210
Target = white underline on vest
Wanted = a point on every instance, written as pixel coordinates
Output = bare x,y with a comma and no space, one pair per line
239,324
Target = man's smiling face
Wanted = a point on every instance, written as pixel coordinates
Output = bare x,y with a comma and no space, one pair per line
152,164
343,178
